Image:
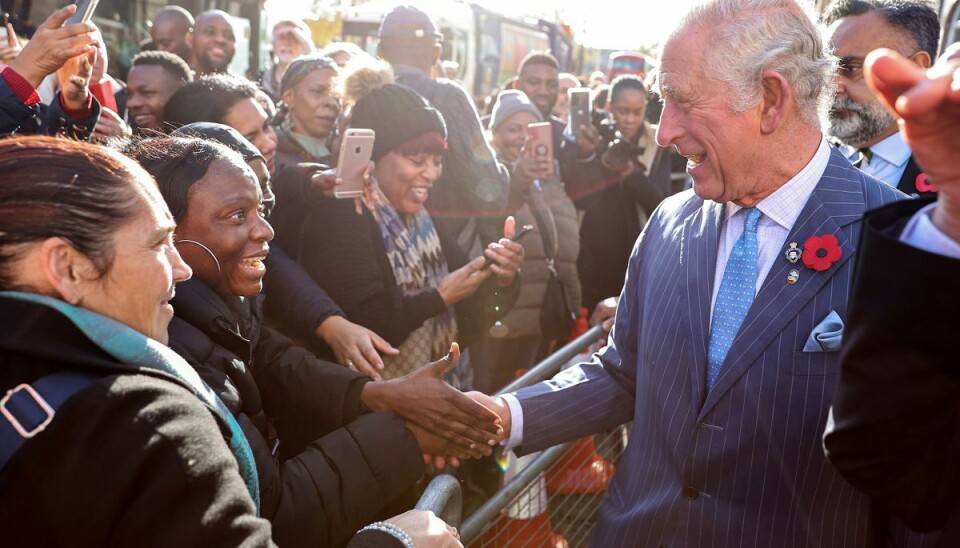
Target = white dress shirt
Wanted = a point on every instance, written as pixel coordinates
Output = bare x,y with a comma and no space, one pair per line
921,233
890,157
779,213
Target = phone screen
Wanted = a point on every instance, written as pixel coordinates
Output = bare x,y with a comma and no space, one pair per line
84,11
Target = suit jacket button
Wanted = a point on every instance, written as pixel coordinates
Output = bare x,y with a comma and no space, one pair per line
691,493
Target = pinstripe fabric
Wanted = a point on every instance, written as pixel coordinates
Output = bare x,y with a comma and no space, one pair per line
742,464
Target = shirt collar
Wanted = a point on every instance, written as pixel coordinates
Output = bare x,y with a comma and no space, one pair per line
893,149
785,204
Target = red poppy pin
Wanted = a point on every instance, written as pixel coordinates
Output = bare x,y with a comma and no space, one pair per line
924,184
820,252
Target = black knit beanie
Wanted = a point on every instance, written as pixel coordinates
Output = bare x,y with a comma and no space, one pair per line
396,114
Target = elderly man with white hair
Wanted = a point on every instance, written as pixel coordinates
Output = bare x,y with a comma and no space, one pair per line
724,353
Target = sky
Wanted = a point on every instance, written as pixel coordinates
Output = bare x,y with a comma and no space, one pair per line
611,24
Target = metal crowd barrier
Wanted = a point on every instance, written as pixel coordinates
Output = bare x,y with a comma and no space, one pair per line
444,498
572,513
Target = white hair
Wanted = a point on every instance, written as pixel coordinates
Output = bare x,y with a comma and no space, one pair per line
751,36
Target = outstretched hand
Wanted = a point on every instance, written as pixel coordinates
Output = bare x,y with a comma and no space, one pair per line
928,104
443,418
355,346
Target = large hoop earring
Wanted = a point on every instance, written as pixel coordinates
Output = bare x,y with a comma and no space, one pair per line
216,261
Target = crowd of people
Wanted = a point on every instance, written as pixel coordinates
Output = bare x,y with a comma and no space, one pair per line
205,341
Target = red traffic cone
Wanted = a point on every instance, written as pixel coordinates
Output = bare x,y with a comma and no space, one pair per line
535,532
580,471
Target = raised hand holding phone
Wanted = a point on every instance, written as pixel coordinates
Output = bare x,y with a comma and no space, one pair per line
52,45
506,256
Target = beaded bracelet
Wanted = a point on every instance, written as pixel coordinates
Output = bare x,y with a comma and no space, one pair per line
391,530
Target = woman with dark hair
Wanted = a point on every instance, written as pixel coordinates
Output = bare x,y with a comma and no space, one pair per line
106,436
627,176
383,261
325,465
302,310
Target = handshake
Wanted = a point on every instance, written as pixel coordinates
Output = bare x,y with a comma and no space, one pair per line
449,425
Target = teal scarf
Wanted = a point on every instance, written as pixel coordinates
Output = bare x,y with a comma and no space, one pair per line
133,349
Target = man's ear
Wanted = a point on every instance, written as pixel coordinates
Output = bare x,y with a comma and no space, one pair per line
65,270
287,96
437,52
189,38
778,97
922,59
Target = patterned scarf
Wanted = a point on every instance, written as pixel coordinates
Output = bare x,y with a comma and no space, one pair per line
418,263
133,349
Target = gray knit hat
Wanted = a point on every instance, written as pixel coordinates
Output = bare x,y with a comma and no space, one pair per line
510,102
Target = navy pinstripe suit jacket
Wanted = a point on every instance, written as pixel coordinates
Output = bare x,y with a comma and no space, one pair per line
741,465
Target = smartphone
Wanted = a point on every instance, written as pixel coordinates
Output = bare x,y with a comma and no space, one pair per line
4,19
541,141
579,113
524,230
356,148
84,11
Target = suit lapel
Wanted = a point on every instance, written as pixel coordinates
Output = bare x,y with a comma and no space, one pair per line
700,241
835,203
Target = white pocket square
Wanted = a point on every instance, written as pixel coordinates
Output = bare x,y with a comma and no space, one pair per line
827,335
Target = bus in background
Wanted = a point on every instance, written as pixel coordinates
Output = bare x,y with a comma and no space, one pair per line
628,62
486,47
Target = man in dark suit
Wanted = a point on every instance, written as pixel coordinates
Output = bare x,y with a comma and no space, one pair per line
724,351
895,432
865,127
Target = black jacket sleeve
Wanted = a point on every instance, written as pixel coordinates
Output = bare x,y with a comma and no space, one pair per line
304,396
895,428
344,253
341,481
132,461
294,302
18,118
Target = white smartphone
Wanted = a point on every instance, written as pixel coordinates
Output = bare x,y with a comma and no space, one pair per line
356,148
579,113
84,11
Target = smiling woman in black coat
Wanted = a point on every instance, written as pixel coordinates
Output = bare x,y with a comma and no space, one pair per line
326,465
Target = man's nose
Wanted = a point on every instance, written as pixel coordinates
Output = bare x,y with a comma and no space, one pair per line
669,129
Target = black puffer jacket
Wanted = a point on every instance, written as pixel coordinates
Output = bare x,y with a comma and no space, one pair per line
336,466
134,459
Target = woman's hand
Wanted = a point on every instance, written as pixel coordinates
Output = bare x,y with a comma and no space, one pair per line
456,424
463,282
10,50
110,125
426,529
506,255
53,45
355,346
74,79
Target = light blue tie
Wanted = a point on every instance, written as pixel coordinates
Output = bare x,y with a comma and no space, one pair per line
735,295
